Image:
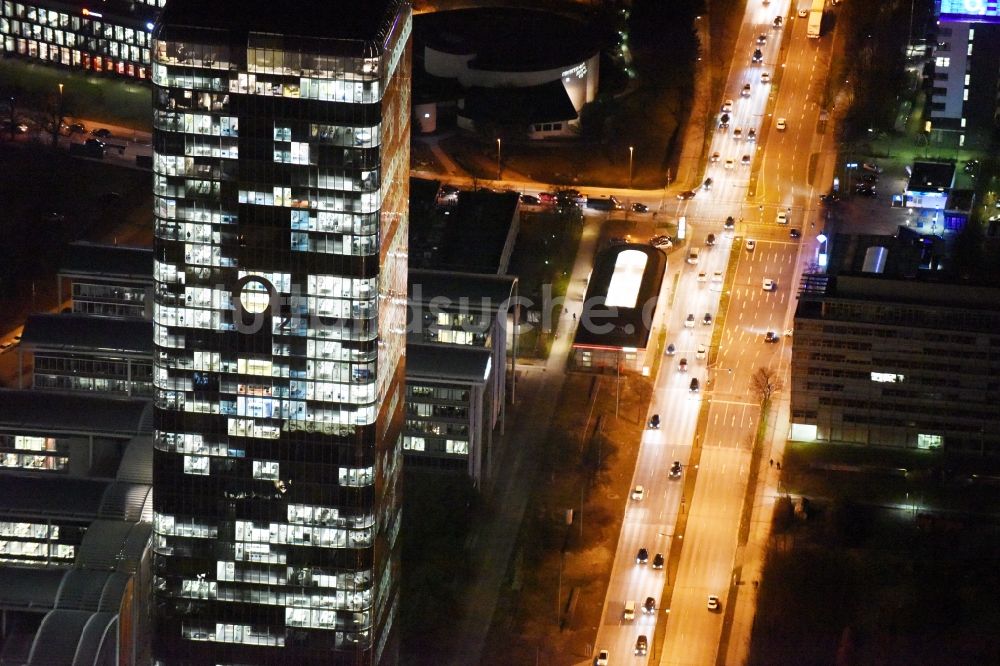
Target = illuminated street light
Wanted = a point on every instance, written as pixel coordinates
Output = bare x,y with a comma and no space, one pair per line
631,150
498,158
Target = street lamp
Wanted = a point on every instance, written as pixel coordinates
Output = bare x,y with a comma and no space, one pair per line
498,158
631,150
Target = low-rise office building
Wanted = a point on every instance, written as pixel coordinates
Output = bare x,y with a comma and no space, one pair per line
109,280
77,352
886,353
75,528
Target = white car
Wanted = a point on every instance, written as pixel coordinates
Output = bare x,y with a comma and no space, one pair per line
745,92
702,277
727,106
730,164
738,133
780,125
713,602
689,322
765,77
717,276
768,284
751,244
803,12
602,658
715,157
782,217
638,493
701,352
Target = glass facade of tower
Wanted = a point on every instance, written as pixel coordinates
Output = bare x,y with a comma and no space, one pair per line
281,190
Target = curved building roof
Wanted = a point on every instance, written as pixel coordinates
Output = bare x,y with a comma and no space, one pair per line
508,39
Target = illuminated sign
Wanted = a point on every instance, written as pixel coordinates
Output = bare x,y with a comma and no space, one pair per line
973,11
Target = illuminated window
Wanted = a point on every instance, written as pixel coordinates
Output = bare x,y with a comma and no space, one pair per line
886,377
929,441
265,469
196,465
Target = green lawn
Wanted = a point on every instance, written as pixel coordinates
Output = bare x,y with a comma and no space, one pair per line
96,96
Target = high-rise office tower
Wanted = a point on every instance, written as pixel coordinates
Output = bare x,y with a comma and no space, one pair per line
281,141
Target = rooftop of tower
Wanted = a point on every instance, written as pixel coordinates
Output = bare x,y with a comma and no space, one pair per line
344,19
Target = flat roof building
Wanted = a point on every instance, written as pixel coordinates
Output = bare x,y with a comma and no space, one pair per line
281,168
893,354
619,307
109,280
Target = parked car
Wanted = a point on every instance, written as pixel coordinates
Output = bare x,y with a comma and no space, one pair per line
602,658
767,284
781,217
639,207
76,128
713,602
530,200
771,336
780,125
794,233
687,194
751,244
101,132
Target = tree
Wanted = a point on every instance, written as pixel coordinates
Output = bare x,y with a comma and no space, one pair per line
764,383
55,112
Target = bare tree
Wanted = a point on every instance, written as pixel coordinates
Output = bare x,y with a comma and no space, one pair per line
764,383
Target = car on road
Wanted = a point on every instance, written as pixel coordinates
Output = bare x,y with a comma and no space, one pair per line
602,658
758,56
76,128
6,345
781,217
771,336
777,22
654,422
729,224
781,125
649,606
761,39
767,284
689,322
642,556
675,469
738,133
724,121
641,645
715,157
530,200
751,134
803,12
727,106
682,365
703,277
694,385
794,233
658,561
865,189
639,207
707,185
750,244
101,132
701,352
829,198
717,276
707,319
710,240
18,128
670,349
713,602
638,493
544,197
765,77
730,164
687,194
745,160
745,92
662,242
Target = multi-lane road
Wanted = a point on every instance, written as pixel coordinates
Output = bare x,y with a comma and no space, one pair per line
783,161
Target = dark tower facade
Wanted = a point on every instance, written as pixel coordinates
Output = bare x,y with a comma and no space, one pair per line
281,165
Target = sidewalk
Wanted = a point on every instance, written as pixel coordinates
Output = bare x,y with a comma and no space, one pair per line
529,423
